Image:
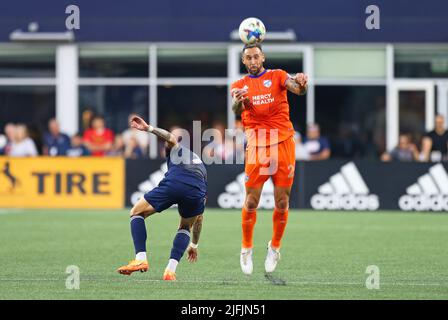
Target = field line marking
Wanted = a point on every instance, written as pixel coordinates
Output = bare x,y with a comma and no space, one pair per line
225,282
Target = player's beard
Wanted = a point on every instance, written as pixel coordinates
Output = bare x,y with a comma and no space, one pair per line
254,70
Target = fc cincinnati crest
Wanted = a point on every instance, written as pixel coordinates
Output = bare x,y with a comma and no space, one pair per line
267,83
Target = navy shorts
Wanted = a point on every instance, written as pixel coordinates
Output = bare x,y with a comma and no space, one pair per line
190,200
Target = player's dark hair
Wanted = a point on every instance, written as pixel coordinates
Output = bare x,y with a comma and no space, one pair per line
252,45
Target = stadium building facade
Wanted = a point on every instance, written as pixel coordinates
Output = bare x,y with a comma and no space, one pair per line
368,85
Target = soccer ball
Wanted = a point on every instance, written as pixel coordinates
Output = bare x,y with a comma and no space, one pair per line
252,30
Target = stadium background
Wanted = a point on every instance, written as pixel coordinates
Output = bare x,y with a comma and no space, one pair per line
173,63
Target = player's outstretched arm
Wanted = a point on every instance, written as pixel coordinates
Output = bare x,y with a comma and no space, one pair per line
298,84
140,124
193,247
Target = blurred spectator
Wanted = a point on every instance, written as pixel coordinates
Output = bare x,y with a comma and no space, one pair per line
318,147
8,138
132,149
435,142
220,148
22,145
301,151
98,139
350,142
87,117
405,151
77,149
141,137
56,143
117,148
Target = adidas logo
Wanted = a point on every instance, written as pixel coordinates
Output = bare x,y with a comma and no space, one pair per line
233,197
346,190
150,183
430,193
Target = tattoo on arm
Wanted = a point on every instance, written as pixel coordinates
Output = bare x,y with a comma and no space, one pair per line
237,107
197,227
165,135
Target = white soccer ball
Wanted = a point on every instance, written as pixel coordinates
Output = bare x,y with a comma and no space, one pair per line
252,30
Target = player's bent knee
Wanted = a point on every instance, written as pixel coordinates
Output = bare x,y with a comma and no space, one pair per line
282,203
251,203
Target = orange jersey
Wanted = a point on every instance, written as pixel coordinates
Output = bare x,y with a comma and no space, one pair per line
268,108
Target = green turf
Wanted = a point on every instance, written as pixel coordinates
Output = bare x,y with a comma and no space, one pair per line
324,256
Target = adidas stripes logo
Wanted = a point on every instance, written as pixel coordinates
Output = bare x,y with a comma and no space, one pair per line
234,195
430,192
346,190
150,183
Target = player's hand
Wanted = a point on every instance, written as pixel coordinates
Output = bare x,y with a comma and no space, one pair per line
301,79
138,123
240,94
192,254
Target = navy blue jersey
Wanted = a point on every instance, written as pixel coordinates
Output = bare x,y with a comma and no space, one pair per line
186,166
185,184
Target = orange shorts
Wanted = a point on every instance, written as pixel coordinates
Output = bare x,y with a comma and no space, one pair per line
276,161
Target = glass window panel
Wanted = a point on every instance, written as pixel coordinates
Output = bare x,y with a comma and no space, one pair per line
353,118
349,63
115,103
27,62
113,62
180,105
192,62
31,105
412,113
421,62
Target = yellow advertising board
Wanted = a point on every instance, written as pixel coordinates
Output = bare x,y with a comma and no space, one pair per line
60,182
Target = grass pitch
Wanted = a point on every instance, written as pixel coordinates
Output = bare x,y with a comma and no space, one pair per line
324,256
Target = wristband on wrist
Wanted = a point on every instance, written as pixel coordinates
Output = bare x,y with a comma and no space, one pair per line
150,128
193,245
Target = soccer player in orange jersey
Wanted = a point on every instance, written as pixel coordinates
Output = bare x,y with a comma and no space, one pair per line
260,97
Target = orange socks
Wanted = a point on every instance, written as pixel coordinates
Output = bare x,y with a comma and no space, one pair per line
249,217
279,219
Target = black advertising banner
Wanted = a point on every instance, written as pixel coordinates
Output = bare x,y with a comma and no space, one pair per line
319,185
371,185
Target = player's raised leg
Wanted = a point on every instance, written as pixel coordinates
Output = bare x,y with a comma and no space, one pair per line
279,222
248,220
141,210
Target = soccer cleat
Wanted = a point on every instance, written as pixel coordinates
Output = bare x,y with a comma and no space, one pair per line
169,275
246,261
133,266
272,257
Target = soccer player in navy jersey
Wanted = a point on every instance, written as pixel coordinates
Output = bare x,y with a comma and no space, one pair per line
185,184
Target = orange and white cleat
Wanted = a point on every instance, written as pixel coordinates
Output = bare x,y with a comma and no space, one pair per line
169,275
133,266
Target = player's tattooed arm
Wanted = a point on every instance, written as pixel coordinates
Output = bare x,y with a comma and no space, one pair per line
298,84
163,134
140,124
192,249
237,107
197,227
